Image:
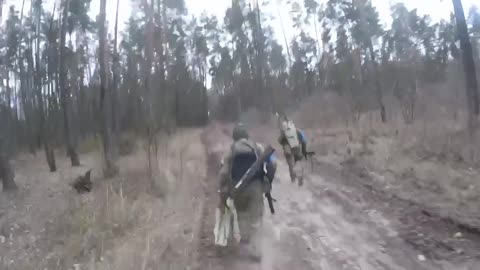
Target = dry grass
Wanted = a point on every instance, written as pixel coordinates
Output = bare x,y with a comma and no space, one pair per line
165,235
93,223
127,143
434,161
120,224
90,144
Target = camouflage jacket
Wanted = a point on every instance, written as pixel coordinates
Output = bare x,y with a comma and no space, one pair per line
225,181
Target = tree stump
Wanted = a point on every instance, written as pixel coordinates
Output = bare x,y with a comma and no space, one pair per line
6,173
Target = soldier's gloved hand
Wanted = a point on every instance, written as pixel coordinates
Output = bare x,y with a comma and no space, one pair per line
229,203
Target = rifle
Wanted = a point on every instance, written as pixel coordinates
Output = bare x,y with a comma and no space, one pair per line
309,155
252,172
270,202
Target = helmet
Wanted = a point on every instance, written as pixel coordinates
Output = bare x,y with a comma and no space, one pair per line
240,132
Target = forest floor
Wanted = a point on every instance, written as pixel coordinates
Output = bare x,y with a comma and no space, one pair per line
355,211
121,224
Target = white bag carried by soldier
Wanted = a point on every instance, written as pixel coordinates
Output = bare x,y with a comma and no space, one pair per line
224,223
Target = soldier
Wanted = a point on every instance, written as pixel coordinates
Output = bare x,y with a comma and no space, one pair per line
249,201
294,144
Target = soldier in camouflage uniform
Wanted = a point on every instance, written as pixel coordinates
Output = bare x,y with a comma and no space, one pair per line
294,154
249,202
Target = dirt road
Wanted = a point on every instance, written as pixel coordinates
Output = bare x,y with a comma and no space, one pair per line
327,225
336,221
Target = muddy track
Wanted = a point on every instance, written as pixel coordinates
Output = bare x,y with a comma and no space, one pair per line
423,230
207,257
338,220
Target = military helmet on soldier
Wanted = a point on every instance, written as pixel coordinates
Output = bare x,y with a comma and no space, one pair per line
240,132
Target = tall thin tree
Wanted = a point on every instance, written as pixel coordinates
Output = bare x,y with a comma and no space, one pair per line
360,5
115,70
471,83
65,89
285,39
110,168
42,126
149,94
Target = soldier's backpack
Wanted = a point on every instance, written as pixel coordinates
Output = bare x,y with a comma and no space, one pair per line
290,134
244,154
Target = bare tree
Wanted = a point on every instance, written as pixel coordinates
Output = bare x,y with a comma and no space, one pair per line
115,70
360,5
43,128
277,4
148,86
149,95
65,90
105,99
468,65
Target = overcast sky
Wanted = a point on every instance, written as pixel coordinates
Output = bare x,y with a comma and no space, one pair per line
437,9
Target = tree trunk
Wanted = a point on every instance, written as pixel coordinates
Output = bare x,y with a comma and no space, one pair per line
468,66
26,105
368,43
289,59
9,119
24,96
161,42
110,168
164,33
64,90
7,175
50,156
42,127
45,110
319,48
378,87
116,70
151,127
167,118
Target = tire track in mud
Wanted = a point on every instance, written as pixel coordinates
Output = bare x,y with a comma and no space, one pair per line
404,229
208,257
335,231
206,249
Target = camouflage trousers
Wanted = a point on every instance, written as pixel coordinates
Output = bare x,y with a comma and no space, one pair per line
296,169
250,207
